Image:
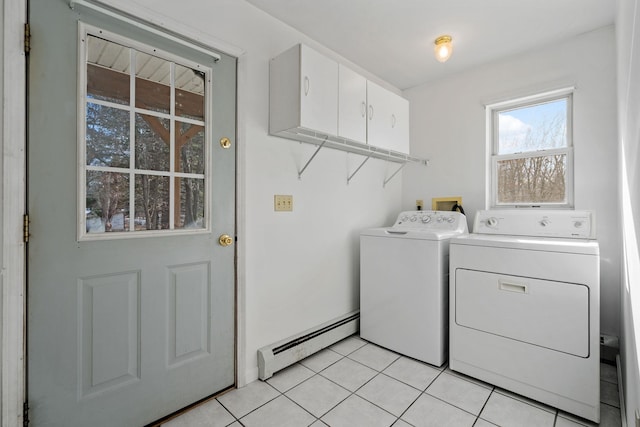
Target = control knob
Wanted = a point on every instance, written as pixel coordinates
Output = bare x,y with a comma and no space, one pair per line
545,222
413,218
426,219
492,222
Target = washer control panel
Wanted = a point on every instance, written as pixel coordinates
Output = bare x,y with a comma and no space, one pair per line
539,223
432,220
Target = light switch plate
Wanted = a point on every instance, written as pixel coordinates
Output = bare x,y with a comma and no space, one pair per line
283,202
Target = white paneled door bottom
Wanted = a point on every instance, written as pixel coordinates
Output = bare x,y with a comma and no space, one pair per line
356,383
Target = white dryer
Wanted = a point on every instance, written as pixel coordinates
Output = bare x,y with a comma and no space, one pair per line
525,306
404,283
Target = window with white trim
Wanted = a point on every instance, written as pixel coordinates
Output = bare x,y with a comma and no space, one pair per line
532,151
143,139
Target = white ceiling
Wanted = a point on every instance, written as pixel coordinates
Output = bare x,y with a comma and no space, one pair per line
393,39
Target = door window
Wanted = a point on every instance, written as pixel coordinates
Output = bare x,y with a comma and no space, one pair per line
143,139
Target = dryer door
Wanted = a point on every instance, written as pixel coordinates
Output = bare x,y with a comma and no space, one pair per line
545,313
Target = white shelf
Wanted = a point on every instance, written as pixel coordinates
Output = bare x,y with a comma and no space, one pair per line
343,144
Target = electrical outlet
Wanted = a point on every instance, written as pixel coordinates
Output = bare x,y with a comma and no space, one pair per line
419,204
282,203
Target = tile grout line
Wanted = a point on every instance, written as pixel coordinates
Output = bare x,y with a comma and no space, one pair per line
255,409
330,409
484,406
451,404
231,413
421,393
353,393
300,406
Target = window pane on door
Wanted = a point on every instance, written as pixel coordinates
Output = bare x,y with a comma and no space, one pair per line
540,178
107,202
191,143
108,66
190,85
107,136
152,143
152,202
191,203
153,83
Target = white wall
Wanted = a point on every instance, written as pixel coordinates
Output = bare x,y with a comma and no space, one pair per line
300,269
628,48
448,127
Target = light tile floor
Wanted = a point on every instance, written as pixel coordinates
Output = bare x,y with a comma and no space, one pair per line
356,383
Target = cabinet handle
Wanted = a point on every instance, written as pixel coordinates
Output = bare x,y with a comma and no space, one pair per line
306,85
370,112
364,109
393,120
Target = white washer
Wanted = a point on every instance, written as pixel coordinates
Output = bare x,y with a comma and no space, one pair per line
525,306
404,275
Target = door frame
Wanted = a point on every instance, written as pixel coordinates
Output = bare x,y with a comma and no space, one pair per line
13,181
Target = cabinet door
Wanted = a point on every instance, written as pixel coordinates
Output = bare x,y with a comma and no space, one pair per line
318,92
399,124
388,119
352,107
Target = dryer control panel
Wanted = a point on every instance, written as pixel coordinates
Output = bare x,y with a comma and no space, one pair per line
432,220
537,223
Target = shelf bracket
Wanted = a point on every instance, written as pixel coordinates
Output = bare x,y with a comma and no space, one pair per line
301,171
384,184
357,169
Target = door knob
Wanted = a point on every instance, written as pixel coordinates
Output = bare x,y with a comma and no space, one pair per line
225,240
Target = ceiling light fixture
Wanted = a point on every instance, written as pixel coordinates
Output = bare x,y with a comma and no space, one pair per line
443,48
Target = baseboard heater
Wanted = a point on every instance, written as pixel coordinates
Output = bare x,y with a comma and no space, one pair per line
281,354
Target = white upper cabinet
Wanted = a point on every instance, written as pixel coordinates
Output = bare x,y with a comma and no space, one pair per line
387,119
352,107
304,91
317,100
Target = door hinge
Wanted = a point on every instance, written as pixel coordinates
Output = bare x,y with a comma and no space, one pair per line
25,229
27,38
25,414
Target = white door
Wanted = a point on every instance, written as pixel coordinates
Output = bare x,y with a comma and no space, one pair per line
131,295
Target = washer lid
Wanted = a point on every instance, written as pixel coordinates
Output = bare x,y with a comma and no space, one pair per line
426,225
548,244
410,233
